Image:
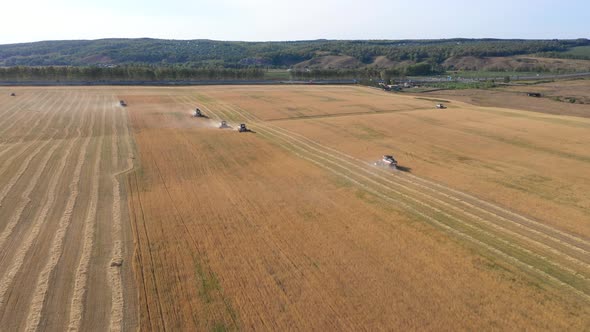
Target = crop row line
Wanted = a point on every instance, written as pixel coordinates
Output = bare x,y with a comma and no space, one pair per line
77,304
36,225
306,148
56,249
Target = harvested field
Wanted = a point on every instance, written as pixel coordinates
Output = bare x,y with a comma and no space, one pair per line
484,226
60,212
291,226
557,97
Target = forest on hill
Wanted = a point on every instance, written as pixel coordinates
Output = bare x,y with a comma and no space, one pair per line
199,53
196,59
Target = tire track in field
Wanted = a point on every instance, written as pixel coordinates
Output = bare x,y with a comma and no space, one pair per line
114,270
505,255
575,243
14,122
178,218
240,201
11,110
181,220
26,123
81,277
20,119
25,165
21,97
529,221
443,225
557,241
362,167
47,103
33,128
138,249
481,220
431,198
303,154
55,252
144,283
37,223
438,210
25,196
13,220
20,102
532,223
12,104
567,257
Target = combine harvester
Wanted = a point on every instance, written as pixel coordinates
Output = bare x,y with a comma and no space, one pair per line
440,106
223,125
387,161
122,103
243,128
198,114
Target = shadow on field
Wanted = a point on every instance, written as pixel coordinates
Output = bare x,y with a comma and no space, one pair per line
404,169
248,130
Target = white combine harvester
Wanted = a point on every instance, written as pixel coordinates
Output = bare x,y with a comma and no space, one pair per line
387,161
440,106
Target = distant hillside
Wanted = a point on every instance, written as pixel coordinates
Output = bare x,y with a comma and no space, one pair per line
154,59
518,63
471,54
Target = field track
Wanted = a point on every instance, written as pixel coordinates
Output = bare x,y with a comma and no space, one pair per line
562,258
60,216
207,189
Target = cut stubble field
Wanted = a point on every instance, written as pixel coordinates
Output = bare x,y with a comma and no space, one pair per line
485,225
60,212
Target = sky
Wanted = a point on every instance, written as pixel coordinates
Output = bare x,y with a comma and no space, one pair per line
266,20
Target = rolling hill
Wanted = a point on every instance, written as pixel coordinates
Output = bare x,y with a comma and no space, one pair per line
470,54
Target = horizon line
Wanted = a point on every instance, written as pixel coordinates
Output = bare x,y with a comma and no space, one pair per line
295,40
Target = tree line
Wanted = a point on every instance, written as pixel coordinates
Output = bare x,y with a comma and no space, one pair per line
125,73
367,73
